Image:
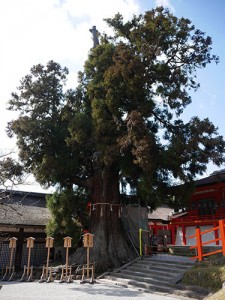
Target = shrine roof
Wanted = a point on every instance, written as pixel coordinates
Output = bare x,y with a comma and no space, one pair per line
215,177
19,208
161,213
18,214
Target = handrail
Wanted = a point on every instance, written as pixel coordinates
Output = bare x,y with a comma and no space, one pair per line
209,242
210,230
198,235
196,218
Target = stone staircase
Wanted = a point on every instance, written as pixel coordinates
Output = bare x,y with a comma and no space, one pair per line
158,273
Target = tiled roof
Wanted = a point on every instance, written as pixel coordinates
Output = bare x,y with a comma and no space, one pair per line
175,216
218,176
18,214
24,198
161,213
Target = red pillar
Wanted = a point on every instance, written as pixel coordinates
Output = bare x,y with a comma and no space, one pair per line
216,233
199,243
155,228
173,239
184,234
222,235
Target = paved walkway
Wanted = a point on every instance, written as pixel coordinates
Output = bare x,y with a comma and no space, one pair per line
62,291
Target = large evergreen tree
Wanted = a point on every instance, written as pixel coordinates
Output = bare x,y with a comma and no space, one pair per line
122,124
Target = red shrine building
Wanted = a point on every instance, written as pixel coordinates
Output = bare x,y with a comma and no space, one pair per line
206,208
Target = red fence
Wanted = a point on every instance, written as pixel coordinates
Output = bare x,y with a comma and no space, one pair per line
199,244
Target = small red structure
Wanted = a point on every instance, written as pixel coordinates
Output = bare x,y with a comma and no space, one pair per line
158,223
206,208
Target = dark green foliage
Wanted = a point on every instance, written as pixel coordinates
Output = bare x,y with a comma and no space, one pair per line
69,213
40,128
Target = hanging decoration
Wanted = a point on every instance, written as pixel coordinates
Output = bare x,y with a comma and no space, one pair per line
93,207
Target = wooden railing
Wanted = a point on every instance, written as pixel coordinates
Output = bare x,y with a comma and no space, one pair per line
199,244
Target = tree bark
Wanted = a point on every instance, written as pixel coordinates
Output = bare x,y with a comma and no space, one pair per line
110,248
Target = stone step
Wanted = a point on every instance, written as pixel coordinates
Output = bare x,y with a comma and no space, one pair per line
167,257
154,275
180,290
165,272
157,273
141,278
164,261
159,266
131,281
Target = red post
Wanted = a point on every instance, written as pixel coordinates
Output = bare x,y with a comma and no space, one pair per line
222,235
155,231
173,235
184,241
216,233
199,243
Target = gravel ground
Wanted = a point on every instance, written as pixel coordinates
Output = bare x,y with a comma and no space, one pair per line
45,291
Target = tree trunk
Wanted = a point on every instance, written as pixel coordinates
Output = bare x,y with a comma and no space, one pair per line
110,248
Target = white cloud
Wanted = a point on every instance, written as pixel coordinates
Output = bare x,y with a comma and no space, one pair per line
36,31
165,3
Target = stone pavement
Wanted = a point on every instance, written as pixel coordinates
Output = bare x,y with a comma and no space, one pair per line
15,290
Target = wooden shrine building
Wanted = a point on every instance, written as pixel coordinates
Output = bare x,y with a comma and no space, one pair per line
22,214
206,208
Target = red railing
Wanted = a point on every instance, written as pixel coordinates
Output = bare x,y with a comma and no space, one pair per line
196,218
199,244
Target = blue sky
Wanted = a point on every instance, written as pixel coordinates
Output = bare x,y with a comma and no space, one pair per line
209,100
209,17
36,31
